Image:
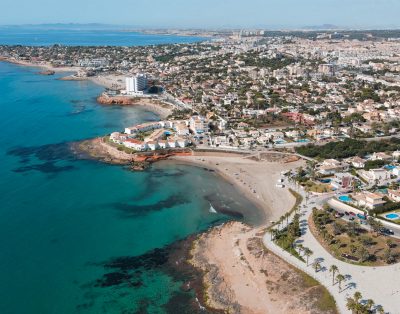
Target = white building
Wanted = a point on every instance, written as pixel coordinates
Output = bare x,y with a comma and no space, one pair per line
136,85
198,125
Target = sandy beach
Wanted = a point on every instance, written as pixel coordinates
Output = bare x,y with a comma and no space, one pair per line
255,179
241,276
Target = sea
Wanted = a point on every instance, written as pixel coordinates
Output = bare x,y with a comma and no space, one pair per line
70,37
81,236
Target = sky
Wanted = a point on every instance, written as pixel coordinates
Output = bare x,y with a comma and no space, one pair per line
205,13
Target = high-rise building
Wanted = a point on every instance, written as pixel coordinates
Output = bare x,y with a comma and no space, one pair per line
136,84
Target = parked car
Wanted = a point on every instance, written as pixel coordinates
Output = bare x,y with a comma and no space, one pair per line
386,231
346,213
361,216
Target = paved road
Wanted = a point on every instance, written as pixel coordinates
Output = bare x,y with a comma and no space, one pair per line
382,284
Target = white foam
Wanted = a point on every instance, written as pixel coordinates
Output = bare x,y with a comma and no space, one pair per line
212,209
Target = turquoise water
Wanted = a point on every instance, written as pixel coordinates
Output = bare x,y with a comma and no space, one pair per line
39,37
392,216
78,236
345,198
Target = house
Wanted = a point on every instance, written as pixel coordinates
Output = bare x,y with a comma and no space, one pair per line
342,181
152,145
162,144
396,155
396,171
198,125
181,142
171,143
331,166
369,200
181,129
134,144
380,156
357,162
394,195
118,138
375,176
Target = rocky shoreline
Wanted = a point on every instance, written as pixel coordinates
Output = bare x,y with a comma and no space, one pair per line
161,108
98,149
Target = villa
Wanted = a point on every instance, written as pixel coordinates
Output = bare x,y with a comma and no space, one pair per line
375,176
394,195
357,162
331,166
342,181
369,200
380,156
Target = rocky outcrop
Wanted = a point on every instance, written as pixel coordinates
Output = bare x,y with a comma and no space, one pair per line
48,72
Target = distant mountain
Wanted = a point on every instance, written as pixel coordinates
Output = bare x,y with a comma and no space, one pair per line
322,27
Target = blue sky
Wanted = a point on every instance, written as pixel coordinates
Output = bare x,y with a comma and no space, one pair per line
205,13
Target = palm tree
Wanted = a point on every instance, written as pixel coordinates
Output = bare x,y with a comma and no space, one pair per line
317,266
301,248
340,278
281,219
351,304
357,296
307,253
370,303
333,269
380,309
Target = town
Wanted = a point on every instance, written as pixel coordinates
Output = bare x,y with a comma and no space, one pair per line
330,98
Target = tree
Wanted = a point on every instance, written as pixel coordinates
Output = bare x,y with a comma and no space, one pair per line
370,303
300,247
357,296
307,253
340,278
380,309
351,305
333,269
317,266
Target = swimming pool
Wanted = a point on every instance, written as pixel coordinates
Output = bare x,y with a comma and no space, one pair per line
304,140
345,198
325,180
392,216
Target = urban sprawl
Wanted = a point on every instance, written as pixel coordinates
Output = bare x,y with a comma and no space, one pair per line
332,98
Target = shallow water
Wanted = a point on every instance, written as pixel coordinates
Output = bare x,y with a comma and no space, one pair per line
79,236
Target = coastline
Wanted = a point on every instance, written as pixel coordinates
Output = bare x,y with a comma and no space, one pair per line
107,81
232,250
248,175
240,275
155,105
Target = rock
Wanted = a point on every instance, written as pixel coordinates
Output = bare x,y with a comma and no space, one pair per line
48,72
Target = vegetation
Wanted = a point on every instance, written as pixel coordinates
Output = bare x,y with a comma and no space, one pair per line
354,304
286,236
349,242
348,148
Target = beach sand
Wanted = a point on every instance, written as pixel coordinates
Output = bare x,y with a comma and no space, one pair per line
240,276
249,175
